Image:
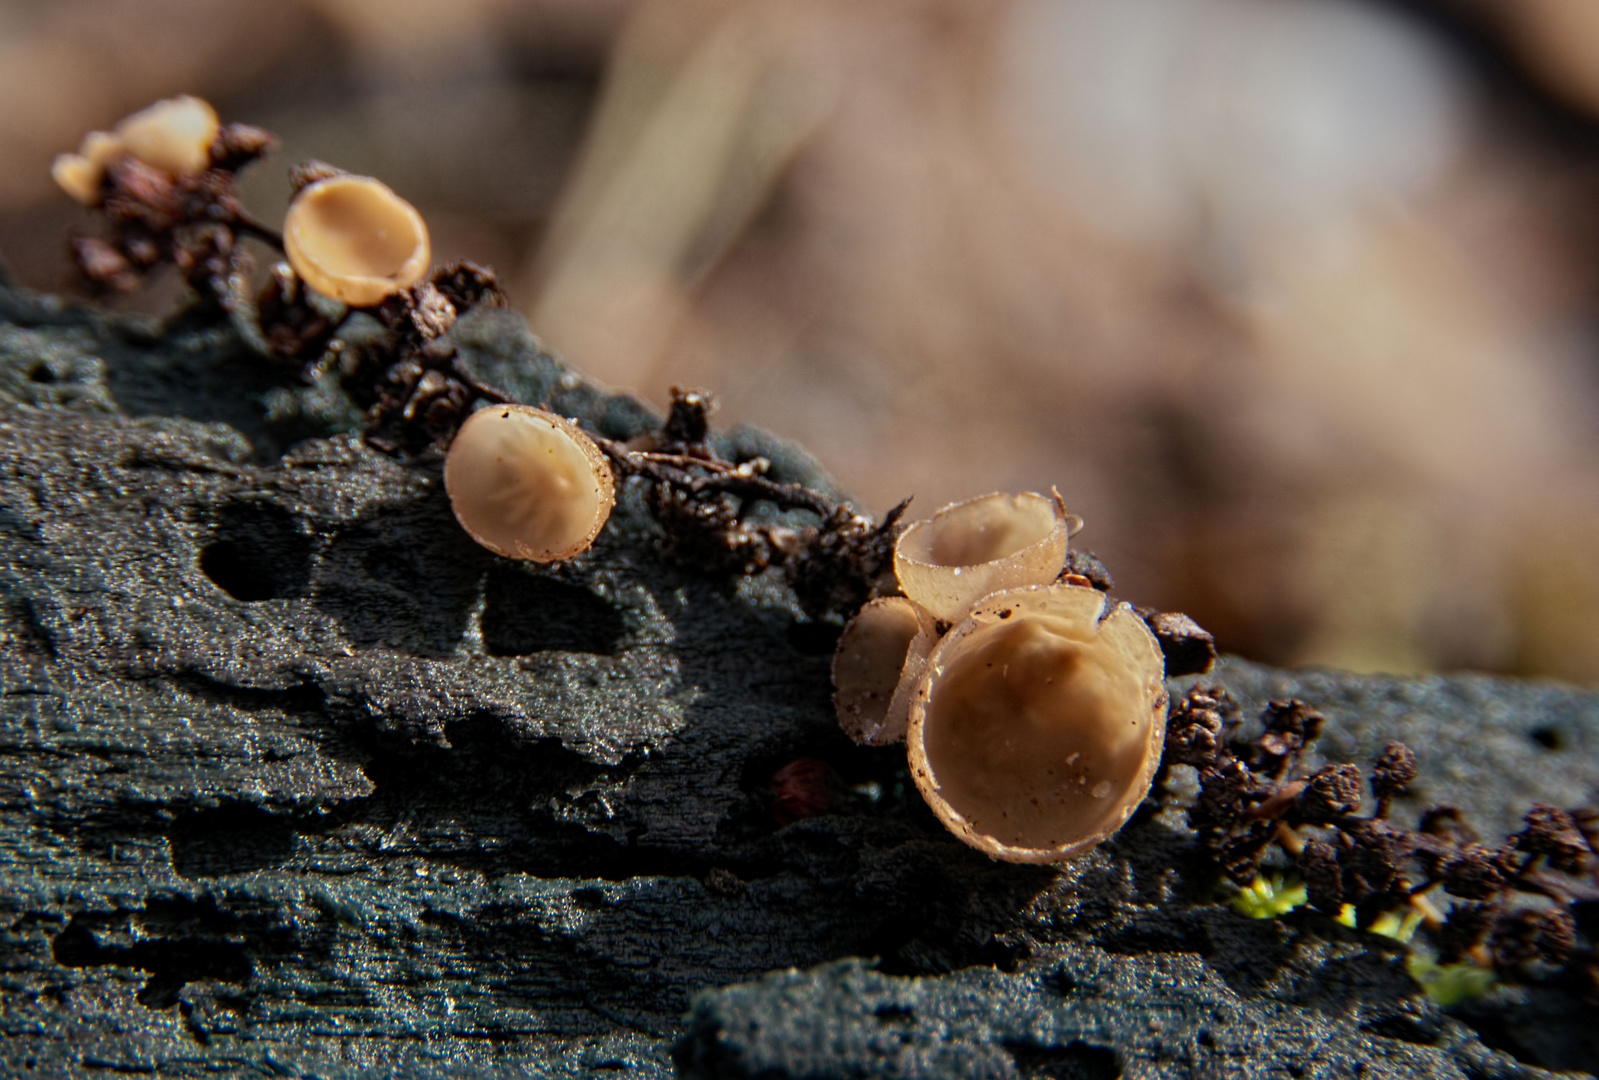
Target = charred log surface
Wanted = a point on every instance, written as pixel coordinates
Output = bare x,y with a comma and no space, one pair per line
296,780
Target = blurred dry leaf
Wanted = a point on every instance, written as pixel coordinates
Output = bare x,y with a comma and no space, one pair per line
709,103
1560,41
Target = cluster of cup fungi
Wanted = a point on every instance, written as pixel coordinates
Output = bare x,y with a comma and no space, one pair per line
1033,719
1034,711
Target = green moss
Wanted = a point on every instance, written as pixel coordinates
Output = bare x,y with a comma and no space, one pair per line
1448,984
1270,897
1390,924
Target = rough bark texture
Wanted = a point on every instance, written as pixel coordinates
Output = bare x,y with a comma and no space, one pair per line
297,781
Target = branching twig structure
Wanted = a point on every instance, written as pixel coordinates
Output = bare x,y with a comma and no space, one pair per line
1519,905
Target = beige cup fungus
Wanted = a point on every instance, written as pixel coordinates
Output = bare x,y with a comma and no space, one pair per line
1036,728
528,484
354,239
977,547
174,136
879,659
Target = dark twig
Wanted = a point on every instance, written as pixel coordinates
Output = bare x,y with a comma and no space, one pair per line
706,507
192,222
1251,800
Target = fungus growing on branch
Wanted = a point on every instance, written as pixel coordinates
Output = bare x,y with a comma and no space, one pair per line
879,660
1037,726
354,239
528,484
174,136
977,547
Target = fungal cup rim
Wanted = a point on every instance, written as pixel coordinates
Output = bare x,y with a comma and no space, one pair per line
358,288
599,467
896,711
948,588
985,615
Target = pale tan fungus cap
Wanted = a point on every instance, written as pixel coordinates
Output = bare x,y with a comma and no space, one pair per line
879,660
354,239
977,547
1036,728
528,484
81,175
174,136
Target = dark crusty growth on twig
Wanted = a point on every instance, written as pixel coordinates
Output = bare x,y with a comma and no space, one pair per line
1255,796
193,222
707,509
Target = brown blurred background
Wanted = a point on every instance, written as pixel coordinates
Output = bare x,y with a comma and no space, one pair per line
1293,299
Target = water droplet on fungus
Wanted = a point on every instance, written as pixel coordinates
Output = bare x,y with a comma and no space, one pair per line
875,670
1005,704
352,238
971,549
528,484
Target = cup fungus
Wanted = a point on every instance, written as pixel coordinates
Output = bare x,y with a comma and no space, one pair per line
971,549
1036,728
528,484
174,136
875,670
354,239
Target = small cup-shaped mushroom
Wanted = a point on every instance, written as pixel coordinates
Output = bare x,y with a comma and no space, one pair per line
354,239
528,484
968,550
174,136
1037,726
875,670
82,174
